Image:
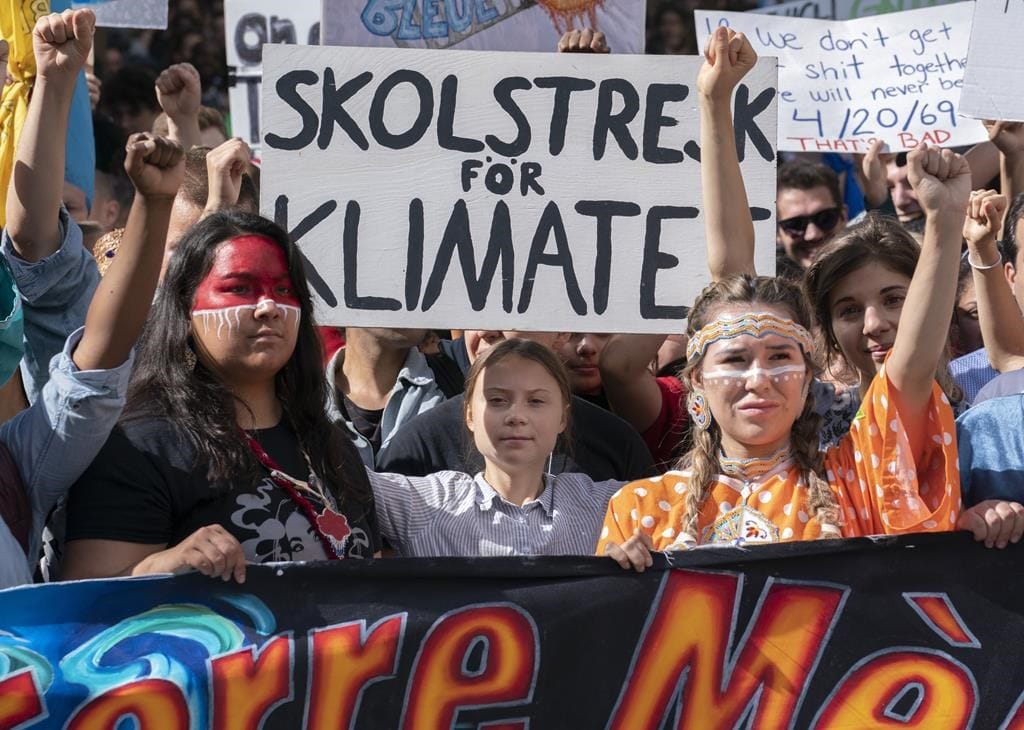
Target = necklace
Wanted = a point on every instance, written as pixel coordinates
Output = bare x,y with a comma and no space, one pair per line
330,527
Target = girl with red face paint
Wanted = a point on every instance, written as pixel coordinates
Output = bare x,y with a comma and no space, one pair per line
225,455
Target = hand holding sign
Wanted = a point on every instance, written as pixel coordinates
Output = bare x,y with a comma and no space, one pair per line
1008,137
583,41
942,180
61,42
729,57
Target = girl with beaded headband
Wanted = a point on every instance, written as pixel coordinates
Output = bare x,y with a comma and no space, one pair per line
755,474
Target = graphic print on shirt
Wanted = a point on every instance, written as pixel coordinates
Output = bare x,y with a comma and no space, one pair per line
272,528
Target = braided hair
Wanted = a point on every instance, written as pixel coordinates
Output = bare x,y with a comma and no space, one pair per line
703,457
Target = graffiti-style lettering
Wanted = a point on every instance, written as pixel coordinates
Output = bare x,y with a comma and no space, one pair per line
689,630
19,700
246,689
156,704
344,661
475,656
903,688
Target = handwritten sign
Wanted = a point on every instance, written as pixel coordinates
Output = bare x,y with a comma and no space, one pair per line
845,9
480,25
820,9
501,190
843,84
127,13
248,24
995,72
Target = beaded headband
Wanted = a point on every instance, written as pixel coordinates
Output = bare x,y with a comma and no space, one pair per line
756,324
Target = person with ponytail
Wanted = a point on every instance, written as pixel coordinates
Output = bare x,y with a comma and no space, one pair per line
755,473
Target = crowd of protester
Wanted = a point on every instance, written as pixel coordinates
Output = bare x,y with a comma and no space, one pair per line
185,412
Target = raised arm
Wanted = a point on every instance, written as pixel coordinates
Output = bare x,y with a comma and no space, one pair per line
942,181
1002,326
121,303
630,386
728,226
61,44
1008,137
225,165
179,91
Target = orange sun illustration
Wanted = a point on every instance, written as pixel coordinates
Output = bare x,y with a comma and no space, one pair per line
563,13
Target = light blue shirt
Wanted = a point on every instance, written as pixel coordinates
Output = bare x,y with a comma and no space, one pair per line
415,392
971,372
56,292
54,440
990,438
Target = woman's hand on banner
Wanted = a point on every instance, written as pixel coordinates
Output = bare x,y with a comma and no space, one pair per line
995,522
583,41
635,553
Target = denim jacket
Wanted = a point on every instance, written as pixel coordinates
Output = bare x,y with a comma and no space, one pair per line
56,292
53,442
414,392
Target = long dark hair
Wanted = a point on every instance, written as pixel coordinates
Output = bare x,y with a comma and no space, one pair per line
165,384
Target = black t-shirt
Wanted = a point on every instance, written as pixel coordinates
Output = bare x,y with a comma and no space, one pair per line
145,487
365,421
603,445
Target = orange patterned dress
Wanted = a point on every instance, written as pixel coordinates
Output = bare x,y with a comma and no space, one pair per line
879,488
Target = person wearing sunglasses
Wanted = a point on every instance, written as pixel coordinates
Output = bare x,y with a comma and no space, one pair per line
809,210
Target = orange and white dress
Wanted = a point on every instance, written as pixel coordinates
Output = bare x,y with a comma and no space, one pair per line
879,488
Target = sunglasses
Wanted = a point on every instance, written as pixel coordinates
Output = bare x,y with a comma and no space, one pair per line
825,220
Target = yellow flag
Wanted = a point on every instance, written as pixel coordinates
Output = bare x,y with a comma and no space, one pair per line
17,19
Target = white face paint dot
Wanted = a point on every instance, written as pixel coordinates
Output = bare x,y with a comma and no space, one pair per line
787,534
764,497
787,509
604,532
802,516
647,521
724,507
664,505
929,524
640,492
669,533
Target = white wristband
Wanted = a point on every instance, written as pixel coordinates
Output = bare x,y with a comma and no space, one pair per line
979,267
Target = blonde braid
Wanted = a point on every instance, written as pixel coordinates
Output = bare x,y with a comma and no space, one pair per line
821,502
704,467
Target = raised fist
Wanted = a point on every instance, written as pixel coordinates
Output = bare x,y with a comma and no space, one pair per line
942,180
61,43
155,165
728,56
179,91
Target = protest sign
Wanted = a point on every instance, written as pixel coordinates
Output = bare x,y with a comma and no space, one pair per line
843,84
480,25
501,191
845,9
127,13
994,78
820,9
248,24
925,631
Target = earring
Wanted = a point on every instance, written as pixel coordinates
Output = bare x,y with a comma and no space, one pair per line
700,415
190,359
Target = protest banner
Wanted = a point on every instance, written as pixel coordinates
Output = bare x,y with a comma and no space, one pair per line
480,25
843,84
248,24
995,72
127,13
820,9
924,631
501,191
845,9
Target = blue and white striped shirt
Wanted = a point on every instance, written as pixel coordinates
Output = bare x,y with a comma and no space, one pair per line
451,513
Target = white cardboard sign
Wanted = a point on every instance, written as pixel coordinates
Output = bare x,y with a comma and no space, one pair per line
844,9
994,80
248,25
554,192
480,25
127,13
843,84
